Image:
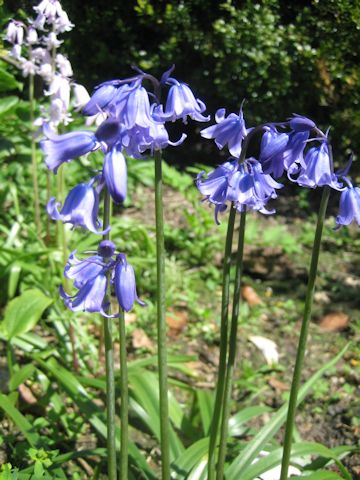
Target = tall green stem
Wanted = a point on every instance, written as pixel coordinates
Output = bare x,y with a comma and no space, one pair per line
124,411
62,243
232,348
34,169
303,335
161,321
109,366
223,345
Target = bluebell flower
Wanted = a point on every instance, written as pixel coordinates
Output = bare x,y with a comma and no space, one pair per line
298,123
229,131
63,148
349,209
317,169
182,103
125,286
109,132
100,99
215,186
279,151
81,271
91,276
245,185
80,208
90,297
115,174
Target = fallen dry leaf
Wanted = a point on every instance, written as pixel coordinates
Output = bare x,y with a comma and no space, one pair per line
250,296
334,322
176,320
278,385
141,340
27,395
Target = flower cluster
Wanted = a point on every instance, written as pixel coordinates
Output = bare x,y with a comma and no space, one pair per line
248,183
133,123
91,277
34,47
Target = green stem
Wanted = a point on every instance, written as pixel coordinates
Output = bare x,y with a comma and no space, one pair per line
223,345
303,336
109,367
232,349
124,411
161,321
34,169
62,241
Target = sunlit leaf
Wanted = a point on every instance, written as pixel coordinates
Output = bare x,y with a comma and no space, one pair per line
23,312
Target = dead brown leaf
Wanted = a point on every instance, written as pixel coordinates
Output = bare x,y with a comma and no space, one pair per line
26,394
250,296
141,340
176,321
278,384
334,322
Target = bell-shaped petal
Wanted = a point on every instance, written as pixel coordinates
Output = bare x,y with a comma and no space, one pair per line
90,297
81,271
63,148
125,286
115,174
80,208
109,132
229,131
99,99
349,206
318,170
215,186
181,103
298,123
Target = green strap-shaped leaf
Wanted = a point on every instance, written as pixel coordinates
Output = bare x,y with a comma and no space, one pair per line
20,421
273,459
23,312
239,466
7,103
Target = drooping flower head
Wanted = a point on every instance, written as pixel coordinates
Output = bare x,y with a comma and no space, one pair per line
80,208
229,131
245,185
317,169
91,276
349,209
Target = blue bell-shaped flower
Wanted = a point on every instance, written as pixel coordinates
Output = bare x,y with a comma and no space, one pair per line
125,286
115,174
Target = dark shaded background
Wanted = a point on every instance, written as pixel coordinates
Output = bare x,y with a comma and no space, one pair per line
281,56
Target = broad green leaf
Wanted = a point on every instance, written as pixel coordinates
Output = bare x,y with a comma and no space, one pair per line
7,103
268,431
273,459
8,81
23,312
205,400
20,376
20,421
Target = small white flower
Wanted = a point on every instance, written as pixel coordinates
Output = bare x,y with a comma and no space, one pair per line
15,32
81,96
62,23
64,65
28,68
46,72
51,41
32,36
16,51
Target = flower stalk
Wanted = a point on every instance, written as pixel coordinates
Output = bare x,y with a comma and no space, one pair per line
232,348
124,407
219,396
289,427
33,158
109,366
161,320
